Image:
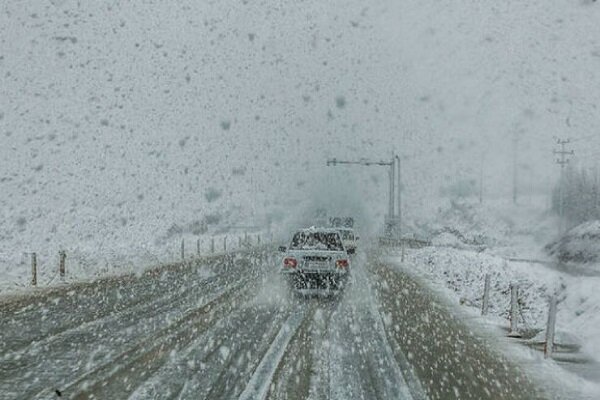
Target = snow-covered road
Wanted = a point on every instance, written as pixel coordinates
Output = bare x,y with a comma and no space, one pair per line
228,329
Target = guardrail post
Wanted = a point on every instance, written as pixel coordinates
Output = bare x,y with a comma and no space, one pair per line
486,295
549,345
402,256
212,245
183,249
62,255
33,269
514,310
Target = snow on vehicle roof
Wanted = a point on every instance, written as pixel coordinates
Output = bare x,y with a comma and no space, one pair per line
319,229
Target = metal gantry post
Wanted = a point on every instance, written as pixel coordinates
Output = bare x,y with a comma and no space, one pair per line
392,190
515,166
399,198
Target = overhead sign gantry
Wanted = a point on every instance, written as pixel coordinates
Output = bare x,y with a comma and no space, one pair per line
392,222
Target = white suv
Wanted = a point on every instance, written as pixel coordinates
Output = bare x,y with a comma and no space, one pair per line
316,259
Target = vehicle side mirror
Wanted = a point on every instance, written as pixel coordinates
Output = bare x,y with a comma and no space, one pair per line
351,251
282,249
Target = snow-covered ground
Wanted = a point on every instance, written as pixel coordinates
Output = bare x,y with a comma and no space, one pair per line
230,330
86,263
506,232
578,320
579,245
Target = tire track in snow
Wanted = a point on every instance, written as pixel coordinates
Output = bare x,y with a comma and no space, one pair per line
58,360
362,363
410,376
449,359
194,370
117,319
92,302
296,376
128,367
258,386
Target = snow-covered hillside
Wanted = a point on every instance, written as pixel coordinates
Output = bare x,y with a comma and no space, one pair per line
580,244
124,125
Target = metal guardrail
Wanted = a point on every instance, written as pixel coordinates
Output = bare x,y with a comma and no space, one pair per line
412,243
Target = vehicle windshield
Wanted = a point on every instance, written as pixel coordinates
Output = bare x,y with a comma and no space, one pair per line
317,241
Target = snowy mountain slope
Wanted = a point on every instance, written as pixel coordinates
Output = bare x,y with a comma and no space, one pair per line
578,245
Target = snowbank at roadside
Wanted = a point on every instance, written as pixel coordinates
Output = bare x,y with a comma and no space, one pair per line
460,276
580,245
463,271
86,262
477,239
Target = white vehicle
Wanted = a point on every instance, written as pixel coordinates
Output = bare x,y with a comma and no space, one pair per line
349,238
316,259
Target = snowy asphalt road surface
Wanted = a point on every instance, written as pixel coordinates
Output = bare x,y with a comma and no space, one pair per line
228,330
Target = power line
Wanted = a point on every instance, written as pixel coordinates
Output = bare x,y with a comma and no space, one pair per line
584,138
589,155
587,151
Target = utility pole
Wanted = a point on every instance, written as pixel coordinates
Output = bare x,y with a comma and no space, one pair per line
390,220
515,148
399,222
563,161
392,191
481,180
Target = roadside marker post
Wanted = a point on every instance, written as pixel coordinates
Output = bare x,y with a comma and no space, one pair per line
550,329
225,244
62,255
212,245
402,255
33,269
486,295
198,247
183,249
514,310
